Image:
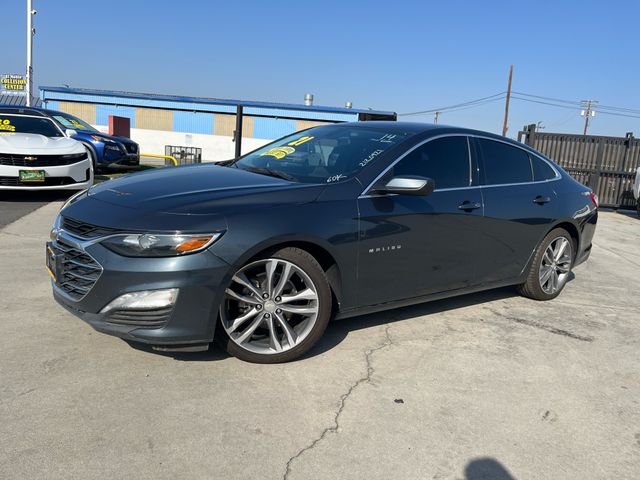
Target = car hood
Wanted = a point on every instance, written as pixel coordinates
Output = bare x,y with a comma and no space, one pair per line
200,190
30,143
87,133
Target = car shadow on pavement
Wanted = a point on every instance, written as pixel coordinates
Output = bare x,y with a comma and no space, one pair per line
486,469
16,204
337,331
36,196
215,352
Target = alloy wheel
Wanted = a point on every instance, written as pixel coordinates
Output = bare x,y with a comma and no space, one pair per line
270,306
555,265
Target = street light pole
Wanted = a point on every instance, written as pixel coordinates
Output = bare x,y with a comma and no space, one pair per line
30,33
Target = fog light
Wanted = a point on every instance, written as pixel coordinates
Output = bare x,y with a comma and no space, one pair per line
144,300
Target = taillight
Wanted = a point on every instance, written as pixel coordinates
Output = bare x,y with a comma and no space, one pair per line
594,199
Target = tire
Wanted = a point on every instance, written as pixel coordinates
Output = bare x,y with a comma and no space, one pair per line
539,284
265,324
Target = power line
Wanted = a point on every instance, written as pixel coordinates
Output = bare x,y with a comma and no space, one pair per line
574,105
441,109
577,107
579,104
573,102
619,114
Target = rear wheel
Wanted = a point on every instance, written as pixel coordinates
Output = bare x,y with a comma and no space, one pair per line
275,308
551,266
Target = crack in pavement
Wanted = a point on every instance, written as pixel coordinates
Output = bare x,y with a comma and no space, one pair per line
542,326
343,400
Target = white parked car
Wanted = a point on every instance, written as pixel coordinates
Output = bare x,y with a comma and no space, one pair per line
35,154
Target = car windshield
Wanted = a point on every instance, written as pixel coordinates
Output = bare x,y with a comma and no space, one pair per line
322,154
25,124
69,121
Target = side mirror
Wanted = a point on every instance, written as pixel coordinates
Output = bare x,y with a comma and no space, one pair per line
409,185
70,132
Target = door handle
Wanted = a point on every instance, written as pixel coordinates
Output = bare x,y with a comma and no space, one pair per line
540,200
468,206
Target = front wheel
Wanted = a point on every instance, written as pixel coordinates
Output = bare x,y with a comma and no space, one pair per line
551,266
275,308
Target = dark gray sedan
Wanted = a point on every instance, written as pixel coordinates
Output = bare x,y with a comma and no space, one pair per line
331,222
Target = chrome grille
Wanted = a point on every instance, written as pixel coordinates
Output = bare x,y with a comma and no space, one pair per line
78,270
41,160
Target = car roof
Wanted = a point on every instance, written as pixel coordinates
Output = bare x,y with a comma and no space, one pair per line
23,110
417,128
43,112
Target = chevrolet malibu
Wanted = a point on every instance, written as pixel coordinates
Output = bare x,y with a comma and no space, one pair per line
332,222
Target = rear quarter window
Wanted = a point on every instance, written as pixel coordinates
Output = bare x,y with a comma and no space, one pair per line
504,164
541,169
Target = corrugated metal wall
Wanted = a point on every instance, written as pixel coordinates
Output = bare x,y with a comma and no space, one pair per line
103,112
154,119
226,124
193,122
84,111
182,121
273,127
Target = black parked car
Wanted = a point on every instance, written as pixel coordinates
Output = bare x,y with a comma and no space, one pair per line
331,222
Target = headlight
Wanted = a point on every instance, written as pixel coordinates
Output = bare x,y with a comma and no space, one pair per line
73,198
96,138
158,245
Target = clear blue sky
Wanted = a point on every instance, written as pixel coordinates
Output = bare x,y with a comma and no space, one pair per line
401,55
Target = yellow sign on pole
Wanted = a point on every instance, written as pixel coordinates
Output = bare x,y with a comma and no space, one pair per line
12,84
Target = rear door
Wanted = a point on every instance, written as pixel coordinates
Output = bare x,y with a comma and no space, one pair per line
416,245
518,207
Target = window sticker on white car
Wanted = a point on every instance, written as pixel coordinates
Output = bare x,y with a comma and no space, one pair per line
5,125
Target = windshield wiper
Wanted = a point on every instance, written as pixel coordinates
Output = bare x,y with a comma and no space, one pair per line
270,172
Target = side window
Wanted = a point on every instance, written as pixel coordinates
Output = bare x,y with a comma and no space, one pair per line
445,160
541,169
504,163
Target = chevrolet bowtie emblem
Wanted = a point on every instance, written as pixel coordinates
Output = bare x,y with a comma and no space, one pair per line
30,158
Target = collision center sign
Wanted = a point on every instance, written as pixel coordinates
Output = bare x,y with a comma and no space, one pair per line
11,84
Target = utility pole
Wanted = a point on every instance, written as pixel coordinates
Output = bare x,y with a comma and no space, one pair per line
505,126
30,33
435,120
587,112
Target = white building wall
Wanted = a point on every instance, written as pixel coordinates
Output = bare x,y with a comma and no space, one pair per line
214,147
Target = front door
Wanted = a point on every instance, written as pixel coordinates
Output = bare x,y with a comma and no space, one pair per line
417,245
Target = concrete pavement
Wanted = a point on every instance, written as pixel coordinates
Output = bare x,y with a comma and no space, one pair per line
489,385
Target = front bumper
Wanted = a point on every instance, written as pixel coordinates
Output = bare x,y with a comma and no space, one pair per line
200,279
126,162
76,176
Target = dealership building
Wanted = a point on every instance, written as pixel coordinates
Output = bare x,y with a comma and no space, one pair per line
191,123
